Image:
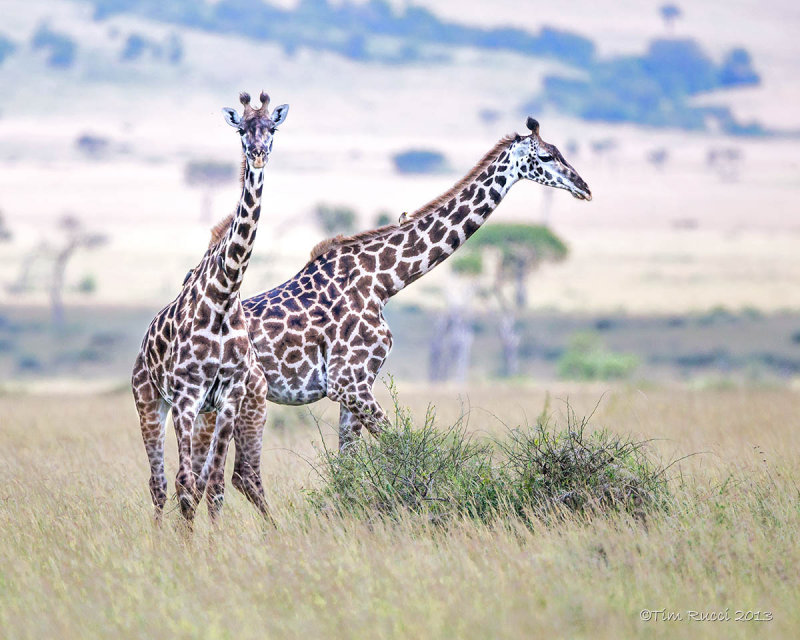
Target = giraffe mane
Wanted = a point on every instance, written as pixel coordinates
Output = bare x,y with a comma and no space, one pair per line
219,230
430,207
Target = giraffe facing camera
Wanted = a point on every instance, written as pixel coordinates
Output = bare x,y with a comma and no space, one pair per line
196,356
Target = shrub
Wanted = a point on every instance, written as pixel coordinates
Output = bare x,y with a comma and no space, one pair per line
61,49
582,470
586,358
438,472
7,47
537,471
87,285
419,161
92,145
335,219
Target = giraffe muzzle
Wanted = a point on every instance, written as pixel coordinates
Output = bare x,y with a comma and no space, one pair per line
259,160
579,189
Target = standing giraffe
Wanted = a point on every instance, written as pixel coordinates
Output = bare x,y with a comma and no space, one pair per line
322,333
196,356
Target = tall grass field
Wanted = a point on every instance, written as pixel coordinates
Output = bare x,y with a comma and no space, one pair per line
716,556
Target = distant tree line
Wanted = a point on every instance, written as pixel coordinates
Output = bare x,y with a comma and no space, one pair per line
7,47
61,50
353,30
655,88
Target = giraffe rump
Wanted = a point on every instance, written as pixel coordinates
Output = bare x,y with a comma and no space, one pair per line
430,207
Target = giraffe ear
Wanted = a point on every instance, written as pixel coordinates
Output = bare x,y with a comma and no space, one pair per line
231,117
279,114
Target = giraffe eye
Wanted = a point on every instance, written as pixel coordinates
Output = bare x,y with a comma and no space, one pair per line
545,158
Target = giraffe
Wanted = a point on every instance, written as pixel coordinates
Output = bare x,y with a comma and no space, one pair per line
322,333
196,355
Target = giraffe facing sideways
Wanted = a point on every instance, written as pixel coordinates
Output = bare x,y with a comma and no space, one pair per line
323,333
196,356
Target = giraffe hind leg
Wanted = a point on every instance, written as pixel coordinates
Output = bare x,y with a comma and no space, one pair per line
152,411
202,447
349,428
248,435
214,469
357,407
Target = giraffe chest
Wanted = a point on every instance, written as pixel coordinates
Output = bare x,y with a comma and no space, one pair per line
200,359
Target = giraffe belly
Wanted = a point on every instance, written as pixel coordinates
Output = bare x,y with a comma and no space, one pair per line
295,382
296,390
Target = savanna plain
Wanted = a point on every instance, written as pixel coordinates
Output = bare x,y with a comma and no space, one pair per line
80,557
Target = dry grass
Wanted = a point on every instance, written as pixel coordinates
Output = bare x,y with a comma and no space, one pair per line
79,557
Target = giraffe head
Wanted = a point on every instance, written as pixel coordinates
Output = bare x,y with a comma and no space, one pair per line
542,162
256,127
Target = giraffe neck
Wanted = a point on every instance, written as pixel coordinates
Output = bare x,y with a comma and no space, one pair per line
235,249
432,238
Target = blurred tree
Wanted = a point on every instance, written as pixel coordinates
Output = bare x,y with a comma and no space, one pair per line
76,237
87,285
453,334
92,145
725,161
522,249
383,218
335,219
174,49
419,161
489,116
134,47
209,176
669,14
59,47
7,47
32,263
658,157
519,249
5,232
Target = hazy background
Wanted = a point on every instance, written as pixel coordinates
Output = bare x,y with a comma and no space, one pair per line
682,117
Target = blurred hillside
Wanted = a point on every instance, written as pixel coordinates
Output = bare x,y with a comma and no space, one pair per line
681,118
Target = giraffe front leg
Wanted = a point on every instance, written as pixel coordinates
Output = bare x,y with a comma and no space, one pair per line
349,428
358,407
184,415
351,387
215,489
152,419
249,434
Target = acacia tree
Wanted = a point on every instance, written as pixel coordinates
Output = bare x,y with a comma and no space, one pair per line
451,343
522,249
335,219
669,14
76,237
209,176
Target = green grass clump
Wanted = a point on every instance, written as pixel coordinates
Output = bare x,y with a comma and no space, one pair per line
581,469
440,472
587,358
537,471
